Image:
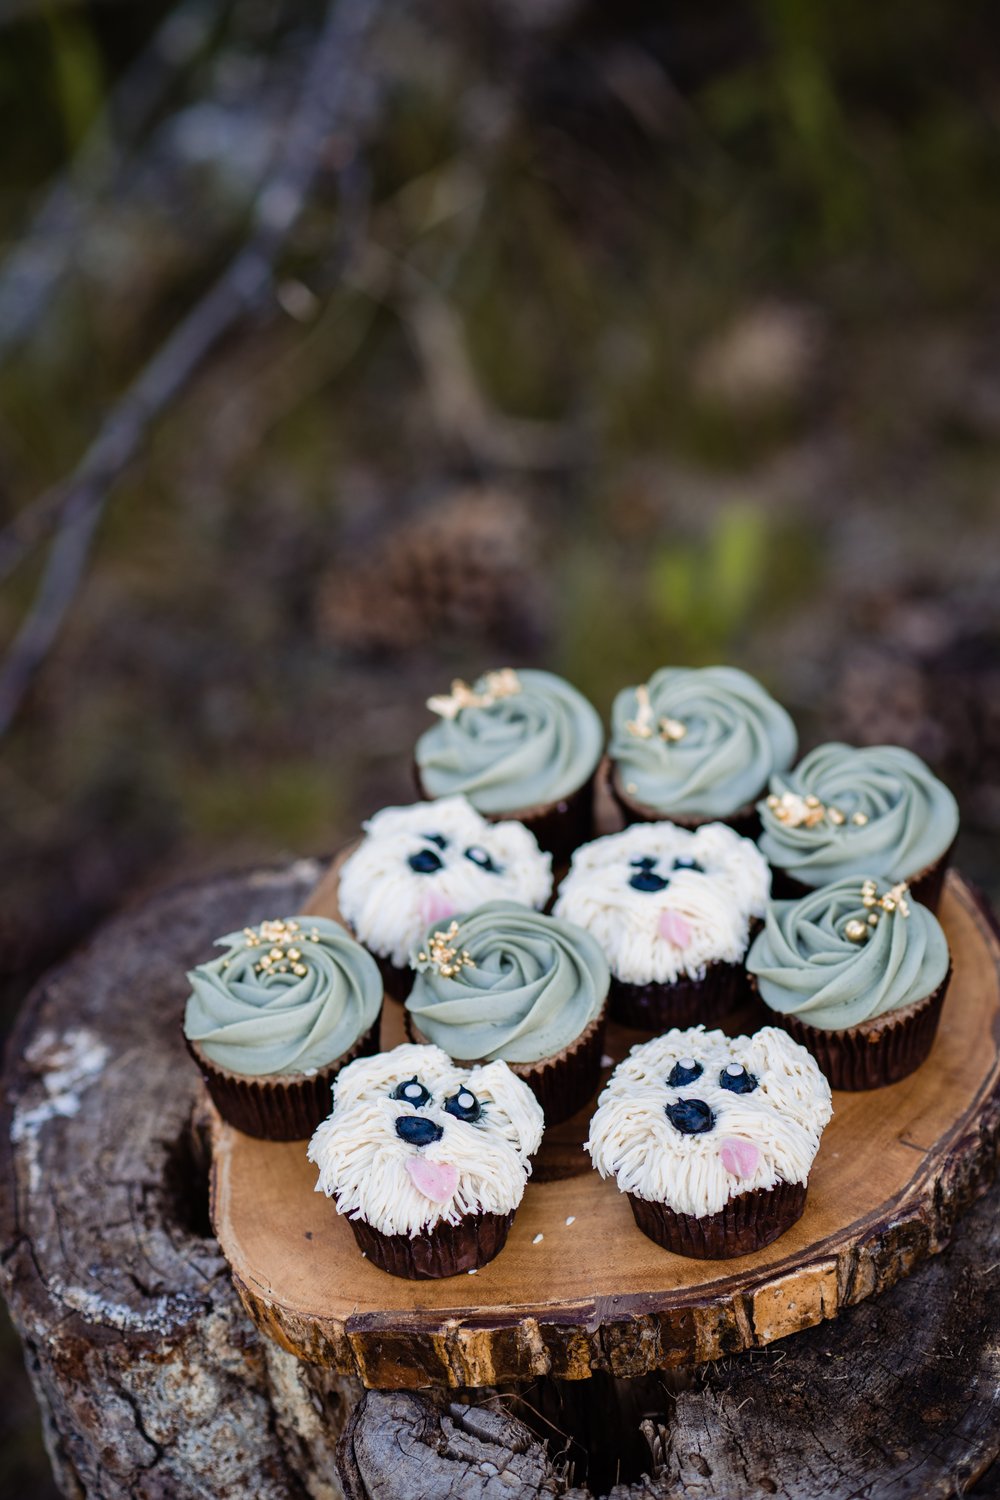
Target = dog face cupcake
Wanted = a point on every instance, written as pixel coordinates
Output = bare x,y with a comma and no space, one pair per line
712,1137
521,744
876,811
273,1019
421,864
672,911
857,972
505,982
697,744
427,1159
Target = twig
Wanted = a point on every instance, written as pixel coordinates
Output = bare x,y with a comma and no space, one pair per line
329,95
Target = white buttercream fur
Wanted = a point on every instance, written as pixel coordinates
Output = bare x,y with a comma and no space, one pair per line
387,903
633,1140
717,905
362,1161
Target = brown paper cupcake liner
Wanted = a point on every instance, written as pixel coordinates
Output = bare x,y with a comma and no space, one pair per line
747,1223
744,820
559,827
445,1250
563,1083
876,1052
657,1007
925,887
276,1107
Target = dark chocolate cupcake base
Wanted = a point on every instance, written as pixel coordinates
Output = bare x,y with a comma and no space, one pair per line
559,827
748,1222
877,1052
445,1250
278,1107
563,1083
743,820
657,1007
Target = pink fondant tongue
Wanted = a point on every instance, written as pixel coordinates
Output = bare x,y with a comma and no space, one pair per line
437,1180
435,908
675,929
739,1157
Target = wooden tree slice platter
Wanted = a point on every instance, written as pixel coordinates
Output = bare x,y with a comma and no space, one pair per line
578,1288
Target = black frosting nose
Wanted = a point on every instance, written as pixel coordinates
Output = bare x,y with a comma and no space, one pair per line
690,1116
648,880
416,1131
425,862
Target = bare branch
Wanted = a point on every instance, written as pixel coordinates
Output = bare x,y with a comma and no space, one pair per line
330,101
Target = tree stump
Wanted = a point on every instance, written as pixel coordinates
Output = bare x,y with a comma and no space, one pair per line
154,1382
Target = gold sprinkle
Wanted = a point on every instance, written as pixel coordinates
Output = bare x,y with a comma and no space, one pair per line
836,816
873,919
856,930
813,801
631,788
502,684
300,970
672,730
773,801
294,955
859,819
442,954
641,727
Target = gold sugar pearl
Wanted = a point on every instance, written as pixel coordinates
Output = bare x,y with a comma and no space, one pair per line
836,816
859,819
873,919
856,930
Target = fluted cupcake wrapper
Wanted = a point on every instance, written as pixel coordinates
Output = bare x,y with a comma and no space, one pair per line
656,1007
276,1107
925,887
876,1052
445,1250
563,1083
743,820
748,1222
559,827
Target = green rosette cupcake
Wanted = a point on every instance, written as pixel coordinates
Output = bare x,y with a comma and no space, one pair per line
857,972
874,811
272,1021
517,744
511,984
697,745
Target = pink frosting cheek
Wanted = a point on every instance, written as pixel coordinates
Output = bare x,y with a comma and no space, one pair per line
675,929
437,1180
435,908
740,1158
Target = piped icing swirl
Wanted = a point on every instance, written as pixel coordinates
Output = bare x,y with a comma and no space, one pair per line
665,902
694,1118
824,960
699,742
288,996
506,982
512,742
857,811
421,864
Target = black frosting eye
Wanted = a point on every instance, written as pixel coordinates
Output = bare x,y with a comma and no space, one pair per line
412,1091
425,862
481,858
464,1106
435,838
685,1071
689,864
690,1116
736,1079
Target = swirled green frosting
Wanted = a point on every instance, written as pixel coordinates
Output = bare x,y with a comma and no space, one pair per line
906,818
730,736
807,966
533,986
283,998
523,750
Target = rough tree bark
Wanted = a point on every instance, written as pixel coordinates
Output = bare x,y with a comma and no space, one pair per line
153,1382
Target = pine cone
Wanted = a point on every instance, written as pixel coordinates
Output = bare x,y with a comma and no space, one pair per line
465,567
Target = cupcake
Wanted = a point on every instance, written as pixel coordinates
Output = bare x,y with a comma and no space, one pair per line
427,1159
508,983
712,1138
672,910
521,745
876,811
696,745
857,972
419,865
272,1021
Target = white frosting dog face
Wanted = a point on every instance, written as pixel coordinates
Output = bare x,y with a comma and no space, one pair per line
428,862
694,1117
414,1140
663,901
